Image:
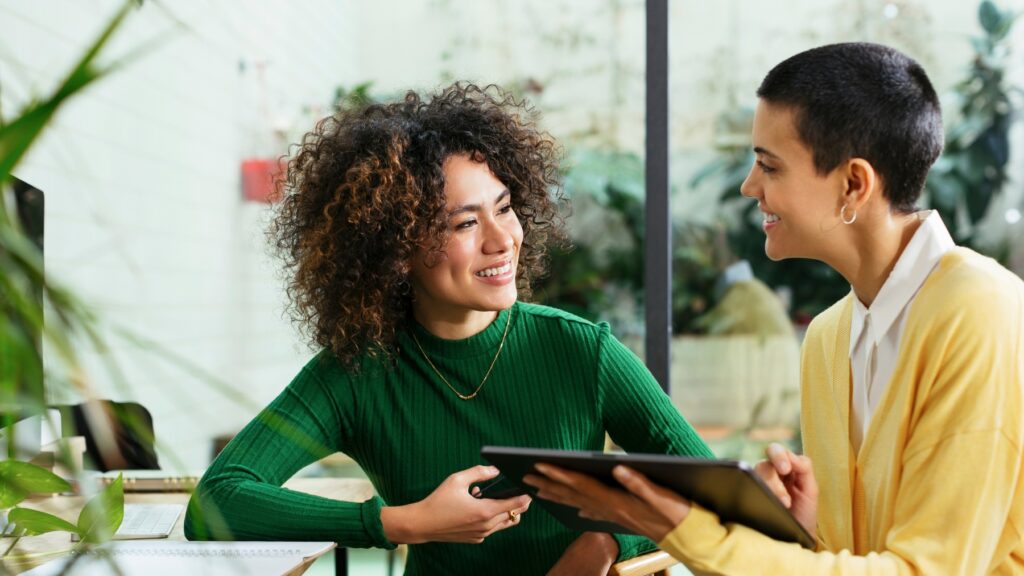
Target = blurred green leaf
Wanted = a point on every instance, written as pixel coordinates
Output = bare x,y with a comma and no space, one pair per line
34,522
972,171
103,514
989,16
355,97
981,45
18,135
19,479
24,289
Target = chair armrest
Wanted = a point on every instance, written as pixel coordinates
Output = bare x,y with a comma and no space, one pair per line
656,562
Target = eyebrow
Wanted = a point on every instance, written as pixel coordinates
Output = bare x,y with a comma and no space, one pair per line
762,151
475,207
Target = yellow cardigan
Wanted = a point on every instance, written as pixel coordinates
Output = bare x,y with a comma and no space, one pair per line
938,486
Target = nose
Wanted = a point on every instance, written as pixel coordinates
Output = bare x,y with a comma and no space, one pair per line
751,188
498,240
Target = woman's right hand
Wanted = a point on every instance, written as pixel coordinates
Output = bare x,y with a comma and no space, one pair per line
451,514
791,477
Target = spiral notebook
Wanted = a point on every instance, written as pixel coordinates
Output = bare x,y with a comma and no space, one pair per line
191,558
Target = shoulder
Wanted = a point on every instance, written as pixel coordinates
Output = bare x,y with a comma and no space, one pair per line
965,338
967,288
326,369
964,274
548,326
968,319
555,318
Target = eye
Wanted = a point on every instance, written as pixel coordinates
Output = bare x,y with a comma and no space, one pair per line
765,168
505,209
465,224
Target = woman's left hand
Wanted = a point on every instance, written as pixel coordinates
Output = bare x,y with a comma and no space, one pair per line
646,508
593,553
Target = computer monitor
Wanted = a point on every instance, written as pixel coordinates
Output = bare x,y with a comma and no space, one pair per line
22,397
30,204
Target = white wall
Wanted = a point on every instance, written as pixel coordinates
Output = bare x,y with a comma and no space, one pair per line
145,218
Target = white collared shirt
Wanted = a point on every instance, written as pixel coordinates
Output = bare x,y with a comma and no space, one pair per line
875,332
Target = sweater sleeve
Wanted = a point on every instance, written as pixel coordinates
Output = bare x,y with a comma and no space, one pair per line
241,495
639,417
959,499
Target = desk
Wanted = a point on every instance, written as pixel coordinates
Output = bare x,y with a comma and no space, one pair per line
38,549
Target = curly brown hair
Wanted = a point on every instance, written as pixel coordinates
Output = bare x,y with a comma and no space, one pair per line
365,189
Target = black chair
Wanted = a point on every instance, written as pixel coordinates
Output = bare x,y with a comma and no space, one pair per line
118,435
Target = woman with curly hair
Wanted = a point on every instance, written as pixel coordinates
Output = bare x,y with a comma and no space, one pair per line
410,230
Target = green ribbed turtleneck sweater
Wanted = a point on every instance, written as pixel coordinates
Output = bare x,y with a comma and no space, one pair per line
560,382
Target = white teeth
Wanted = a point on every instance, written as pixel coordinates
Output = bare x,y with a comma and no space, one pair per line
771,217
495,271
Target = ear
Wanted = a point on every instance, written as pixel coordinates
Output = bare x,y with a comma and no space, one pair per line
862,183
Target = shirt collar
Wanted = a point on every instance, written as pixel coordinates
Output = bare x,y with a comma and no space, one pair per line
929,243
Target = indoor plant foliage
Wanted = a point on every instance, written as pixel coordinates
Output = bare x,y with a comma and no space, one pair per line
24,292
971,172
97,521
600,274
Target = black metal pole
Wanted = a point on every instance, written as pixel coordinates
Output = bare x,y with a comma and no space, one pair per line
340,561
658,240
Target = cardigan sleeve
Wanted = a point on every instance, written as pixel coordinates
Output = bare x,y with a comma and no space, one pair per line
241,495
639,417
960,486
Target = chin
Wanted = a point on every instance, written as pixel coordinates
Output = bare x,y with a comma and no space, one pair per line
775,254
504,302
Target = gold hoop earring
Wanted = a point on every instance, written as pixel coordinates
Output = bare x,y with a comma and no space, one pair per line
842,216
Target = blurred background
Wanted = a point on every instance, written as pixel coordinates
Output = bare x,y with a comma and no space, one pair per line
157,194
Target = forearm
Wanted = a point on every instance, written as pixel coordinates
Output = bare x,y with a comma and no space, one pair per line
244,509
704,543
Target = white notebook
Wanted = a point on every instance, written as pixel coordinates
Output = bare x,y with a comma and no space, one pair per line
143,521
189,558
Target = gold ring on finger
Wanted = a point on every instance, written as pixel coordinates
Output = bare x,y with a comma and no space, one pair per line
513,515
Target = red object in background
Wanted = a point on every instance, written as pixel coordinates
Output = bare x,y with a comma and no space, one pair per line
258,179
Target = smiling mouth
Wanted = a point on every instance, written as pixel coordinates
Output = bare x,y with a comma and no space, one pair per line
497,271
770,218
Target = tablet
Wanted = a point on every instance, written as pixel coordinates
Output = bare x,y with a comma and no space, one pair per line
729,488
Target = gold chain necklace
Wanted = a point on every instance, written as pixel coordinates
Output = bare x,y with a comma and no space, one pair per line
489,368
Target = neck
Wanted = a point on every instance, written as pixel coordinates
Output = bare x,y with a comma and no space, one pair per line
873,249
453,325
